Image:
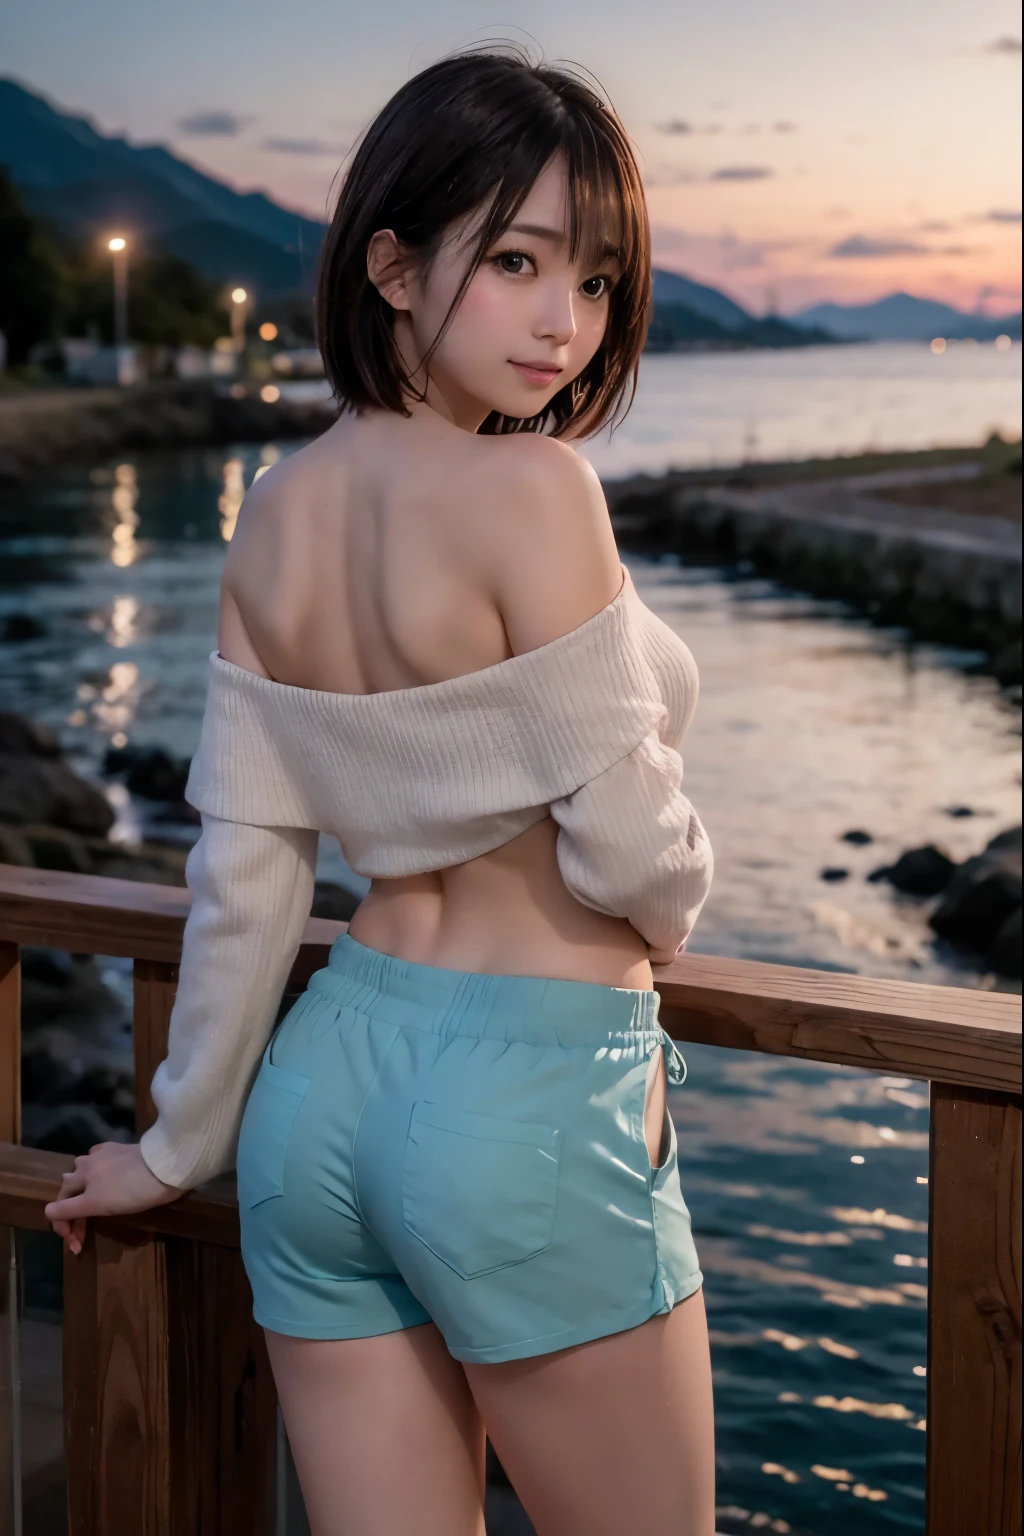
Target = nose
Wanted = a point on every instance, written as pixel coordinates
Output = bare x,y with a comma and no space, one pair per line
555,319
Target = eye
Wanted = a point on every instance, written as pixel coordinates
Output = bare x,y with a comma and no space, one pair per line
596,287
513,262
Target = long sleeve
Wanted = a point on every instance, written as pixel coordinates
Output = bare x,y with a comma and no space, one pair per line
252,889
631,845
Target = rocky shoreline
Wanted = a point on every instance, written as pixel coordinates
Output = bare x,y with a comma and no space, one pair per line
978,906
77,1069
41,428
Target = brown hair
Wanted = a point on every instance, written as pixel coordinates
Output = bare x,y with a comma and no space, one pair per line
475,131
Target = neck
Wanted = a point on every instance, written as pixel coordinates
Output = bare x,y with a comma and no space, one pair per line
432,389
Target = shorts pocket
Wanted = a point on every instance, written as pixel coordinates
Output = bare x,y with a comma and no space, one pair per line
266,1126
477,1191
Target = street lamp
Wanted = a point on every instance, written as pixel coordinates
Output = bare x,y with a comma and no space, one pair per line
239,304
118,248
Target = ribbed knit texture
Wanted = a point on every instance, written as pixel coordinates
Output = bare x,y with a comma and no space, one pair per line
586,727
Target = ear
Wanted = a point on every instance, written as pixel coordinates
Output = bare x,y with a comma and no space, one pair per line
387,268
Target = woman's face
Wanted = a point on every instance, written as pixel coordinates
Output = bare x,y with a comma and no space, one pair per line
529,322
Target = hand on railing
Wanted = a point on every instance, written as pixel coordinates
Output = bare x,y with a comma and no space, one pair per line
111,1179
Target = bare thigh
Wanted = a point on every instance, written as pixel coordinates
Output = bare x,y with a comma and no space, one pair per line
612,1436
384,1433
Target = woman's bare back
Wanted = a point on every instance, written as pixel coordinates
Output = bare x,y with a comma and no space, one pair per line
395,552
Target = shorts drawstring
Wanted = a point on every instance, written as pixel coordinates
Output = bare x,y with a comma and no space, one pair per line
675,1062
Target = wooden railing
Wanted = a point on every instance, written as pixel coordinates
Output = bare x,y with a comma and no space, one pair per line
169,1406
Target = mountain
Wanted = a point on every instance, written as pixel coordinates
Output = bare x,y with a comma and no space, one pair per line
87,182
902,317
677,327
673,288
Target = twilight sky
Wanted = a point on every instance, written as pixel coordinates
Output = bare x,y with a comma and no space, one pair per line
793,150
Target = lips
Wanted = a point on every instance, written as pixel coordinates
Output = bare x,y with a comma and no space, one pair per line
537,373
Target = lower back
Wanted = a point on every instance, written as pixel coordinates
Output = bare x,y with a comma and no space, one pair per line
505,913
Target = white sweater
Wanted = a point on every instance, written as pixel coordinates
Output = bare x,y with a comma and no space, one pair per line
586,728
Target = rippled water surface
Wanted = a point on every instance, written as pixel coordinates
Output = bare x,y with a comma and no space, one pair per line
806,1183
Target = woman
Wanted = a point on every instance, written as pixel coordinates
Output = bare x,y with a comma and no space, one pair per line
457,1177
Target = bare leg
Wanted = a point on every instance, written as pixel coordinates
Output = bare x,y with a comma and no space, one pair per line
384,1433
612,1436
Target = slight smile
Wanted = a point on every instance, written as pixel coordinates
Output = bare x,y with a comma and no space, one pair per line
537,373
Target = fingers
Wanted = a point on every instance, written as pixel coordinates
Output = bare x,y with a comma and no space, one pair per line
73,1231
67,1208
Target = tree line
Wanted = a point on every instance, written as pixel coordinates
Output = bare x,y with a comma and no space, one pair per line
53,284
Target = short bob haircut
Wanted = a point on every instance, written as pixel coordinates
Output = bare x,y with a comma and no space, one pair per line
474,131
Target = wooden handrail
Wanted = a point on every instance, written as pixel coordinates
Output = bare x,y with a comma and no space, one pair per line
169,1403
945,1034
29,1178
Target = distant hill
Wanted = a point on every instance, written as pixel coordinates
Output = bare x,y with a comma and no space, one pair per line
87,182
677,327
901,317
673,288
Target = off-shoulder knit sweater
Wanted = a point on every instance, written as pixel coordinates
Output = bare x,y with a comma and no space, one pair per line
585,728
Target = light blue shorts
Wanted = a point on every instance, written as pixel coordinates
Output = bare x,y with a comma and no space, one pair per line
431,1145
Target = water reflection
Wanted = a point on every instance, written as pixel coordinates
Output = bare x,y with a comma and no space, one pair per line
115,708
124,616
123,499
229,501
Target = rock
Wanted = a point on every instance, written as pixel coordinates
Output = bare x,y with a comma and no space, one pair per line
333,901
1005,842
13,847
35,789
177,813
134,865
959,812
67,988
1006,664
858,838
53,848
19,734
833,873
47,1078
21,626
68,1128
984,893
158,776
1005,955
156,862
151,773
918,872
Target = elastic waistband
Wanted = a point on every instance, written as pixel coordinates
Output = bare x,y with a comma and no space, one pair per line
533,1009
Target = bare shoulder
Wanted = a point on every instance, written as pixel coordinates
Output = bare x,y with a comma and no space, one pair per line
271,553
550,549
280,490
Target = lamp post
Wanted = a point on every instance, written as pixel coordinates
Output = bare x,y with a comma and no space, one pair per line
118,248
239,306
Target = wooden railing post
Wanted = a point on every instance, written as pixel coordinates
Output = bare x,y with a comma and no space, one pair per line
10,1247
10,1042
170,1409
974,1314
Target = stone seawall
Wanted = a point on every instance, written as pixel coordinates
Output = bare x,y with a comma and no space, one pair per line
948,576
46,427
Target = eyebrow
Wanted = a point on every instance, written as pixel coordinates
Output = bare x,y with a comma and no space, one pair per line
557,236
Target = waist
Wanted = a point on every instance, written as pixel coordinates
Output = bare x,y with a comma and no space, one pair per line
536,1010
506,911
